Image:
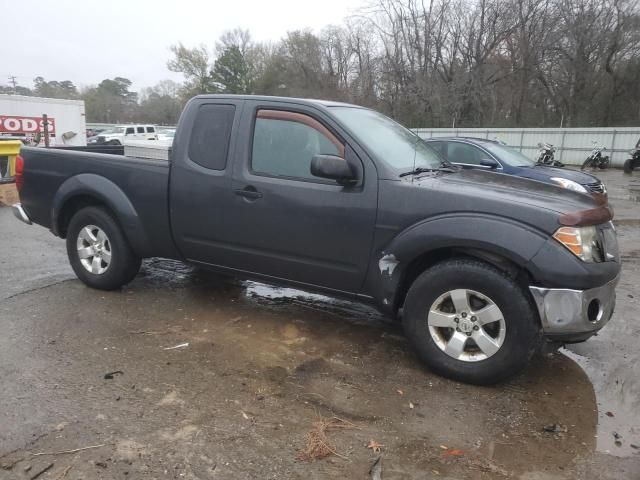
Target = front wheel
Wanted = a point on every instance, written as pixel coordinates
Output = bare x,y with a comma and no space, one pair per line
470,322
98,250
587,163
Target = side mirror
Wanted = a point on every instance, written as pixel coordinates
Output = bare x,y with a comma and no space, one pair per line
489,162
333,168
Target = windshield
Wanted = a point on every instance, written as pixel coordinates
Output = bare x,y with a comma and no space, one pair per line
389,141
508,155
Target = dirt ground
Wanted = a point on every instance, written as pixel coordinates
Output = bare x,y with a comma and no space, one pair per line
224,379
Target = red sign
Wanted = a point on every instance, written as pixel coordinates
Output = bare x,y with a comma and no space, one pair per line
11,124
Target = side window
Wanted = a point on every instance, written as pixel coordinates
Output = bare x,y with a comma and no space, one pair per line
440,147
129,131
151,130
209,142
140,129
285,142
464,153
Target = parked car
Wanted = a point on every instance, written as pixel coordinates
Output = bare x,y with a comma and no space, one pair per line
120,133
483,154
482,269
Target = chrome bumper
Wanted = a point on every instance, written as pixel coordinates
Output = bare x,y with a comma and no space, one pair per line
566,313
20,214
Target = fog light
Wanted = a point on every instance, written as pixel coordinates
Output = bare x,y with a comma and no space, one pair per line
593,310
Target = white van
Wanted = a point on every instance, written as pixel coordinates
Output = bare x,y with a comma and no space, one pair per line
121,133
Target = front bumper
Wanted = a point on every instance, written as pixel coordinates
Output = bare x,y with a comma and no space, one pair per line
574,315
20,214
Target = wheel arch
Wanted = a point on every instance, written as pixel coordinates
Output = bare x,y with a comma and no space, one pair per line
86,190
503,243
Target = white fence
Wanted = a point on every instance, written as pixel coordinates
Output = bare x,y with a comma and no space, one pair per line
573,145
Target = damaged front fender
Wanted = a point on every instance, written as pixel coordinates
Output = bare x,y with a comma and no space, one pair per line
441,237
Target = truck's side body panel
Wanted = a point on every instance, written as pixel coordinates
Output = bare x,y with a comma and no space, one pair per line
309,230
135,190
200,188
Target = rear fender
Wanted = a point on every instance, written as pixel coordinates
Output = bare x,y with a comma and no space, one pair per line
107,193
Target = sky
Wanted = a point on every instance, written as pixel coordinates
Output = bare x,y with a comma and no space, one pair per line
88,41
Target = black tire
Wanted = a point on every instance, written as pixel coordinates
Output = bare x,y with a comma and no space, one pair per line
587,163
604,163
114,142
629,166
522,336
123,265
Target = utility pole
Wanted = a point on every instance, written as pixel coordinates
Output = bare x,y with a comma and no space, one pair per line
12,81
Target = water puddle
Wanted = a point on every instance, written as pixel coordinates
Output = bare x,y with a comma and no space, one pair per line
618,404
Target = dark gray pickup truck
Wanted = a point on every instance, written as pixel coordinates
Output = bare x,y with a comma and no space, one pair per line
482,268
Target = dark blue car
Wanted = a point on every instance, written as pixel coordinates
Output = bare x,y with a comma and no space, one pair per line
486,154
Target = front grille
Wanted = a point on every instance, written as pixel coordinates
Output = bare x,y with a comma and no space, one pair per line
596,187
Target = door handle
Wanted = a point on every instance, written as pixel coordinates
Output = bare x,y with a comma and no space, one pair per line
248,192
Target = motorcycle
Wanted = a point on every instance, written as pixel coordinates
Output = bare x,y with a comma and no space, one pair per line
634,162
596,159
546,153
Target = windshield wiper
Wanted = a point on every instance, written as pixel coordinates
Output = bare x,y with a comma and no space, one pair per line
444,167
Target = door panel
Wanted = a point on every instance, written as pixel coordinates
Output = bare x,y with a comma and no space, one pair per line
288,224
200,187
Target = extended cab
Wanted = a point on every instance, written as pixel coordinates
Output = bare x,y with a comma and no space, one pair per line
482,268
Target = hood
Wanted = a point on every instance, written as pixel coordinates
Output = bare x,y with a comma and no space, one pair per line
543,172
510,189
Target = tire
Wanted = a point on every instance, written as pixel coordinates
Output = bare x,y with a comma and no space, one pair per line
629,165
587,163
604,163
520,326
104,247
114,142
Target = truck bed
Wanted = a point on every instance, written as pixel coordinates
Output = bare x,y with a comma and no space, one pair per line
143,182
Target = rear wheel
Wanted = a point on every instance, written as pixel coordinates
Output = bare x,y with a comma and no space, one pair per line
468,321
98,250
604,163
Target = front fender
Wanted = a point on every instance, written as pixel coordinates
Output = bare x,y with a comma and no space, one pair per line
105,192
498,236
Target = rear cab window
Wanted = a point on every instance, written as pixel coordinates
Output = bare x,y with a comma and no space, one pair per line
210,135
129,131
151,130
285,142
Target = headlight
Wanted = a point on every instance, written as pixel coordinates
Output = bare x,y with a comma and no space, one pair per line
582,242
569,184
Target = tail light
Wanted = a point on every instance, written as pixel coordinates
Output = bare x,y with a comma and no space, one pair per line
19,172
